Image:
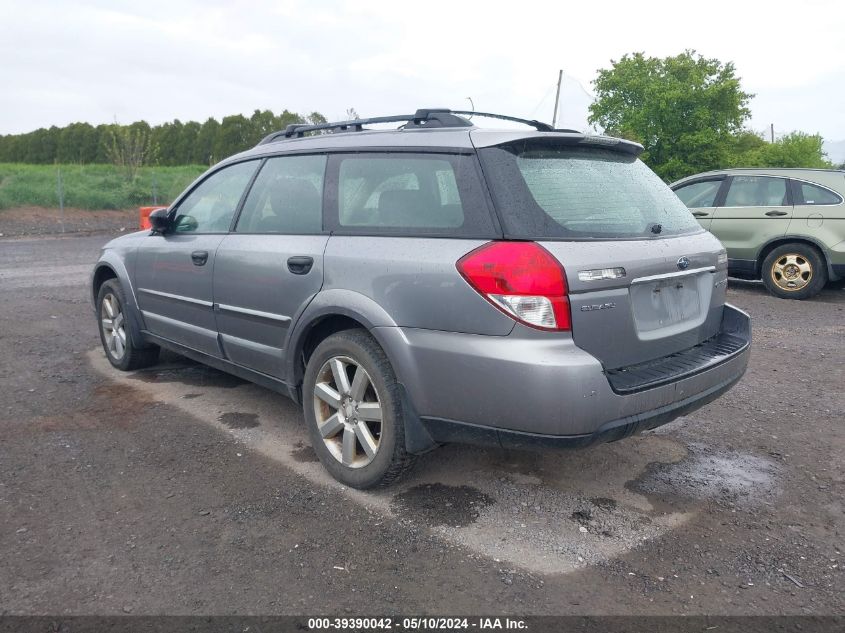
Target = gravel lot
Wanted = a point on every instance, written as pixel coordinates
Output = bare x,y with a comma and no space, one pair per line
181,490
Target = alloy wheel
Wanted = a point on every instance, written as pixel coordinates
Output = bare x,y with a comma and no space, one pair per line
791,272
348,411
114,330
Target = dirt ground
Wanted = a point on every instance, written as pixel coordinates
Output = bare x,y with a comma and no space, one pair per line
44,221
181,490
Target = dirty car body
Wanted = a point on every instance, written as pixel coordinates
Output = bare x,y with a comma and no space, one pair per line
512,288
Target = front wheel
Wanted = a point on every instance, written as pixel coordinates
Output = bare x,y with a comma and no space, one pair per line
121,351
353,411
794,271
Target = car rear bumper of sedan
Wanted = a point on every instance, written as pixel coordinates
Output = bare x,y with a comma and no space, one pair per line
531,390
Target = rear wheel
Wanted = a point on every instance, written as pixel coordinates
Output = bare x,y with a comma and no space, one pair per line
121,351
353,411
794,271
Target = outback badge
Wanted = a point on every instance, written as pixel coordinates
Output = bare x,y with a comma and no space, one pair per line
598,306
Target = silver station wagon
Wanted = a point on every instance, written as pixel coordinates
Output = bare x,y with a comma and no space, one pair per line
435,282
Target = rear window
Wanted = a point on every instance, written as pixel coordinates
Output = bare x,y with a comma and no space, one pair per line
756,191
399,192
812,194
566,192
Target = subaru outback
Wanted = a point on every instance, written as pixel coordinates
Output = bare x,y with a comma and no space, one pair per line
432,283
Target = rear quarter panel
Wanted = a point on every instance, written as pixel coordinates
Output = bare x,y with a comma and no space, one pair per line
414,280
823,224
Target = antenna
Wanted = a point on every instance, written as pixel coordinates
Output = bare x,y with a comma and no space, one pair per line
557,97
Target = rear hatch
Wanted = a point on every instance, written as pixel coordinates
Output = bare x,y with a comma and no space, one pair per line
645,281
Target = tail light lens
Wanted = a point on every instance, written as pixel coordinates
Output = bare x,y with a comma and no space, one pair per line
523,280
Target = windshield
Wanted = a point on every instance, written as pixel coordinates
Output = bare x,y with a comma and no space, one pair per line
570,192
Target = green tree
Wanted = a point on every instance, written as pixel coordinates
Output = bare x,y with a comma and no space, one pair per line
40,146
103,131
262,123
77,144
315,118
796,149
188,140
685,110
287,117
129,147
166,138
206,141
233,136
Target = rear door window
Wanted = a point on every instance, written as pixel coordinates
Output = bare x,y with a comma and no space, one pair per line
756,191
286,197
405,193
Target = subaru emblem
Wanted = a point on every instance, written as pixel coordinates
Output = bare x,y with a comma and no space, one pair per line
683,263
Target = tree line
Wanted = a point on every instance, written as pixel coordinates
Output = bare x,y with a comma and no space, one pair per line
690,114
172,143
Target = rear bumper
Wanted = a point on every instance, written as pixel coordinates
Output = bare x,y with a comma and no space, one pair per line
530,389
447,431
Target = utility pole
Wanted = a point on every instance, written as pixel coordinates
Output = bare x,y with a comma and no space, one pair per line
772,126
557,97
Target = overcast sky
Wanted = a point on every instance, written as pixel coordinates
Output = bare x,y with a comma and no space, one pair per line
160,60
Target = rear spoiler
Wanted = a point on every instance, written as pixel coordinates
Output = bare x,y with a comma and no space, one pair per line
494,138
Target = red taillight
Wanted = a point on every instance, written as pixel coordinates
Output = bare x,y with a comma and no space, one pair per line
523,280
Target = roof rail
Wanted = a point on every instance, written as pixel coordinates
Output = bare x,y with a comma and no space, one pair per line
427,117
424,118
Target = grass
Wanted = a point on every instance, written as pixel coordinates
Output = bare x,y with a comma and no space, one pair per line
91,187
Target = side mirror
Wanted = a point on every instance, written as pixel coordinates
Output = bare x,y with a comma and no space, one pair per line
160,221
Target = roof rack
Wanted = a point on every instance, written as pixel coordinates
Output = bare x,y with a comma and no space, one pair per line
423,118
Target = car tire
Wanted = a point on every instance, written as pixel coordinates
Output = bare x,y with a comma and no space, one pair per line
122,352
341,409
794,271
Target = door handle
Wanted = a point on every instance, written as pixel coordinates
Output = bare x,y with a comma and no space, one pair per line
775,214
300,264
700,214
199,258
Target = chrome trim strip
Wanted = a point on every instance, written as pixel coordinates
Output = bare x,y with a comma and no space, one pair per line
680,273
167,295
281,318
